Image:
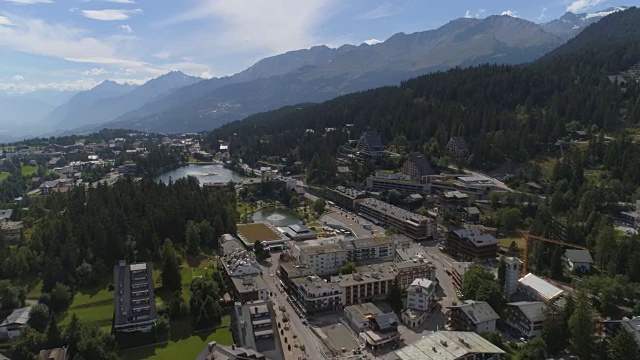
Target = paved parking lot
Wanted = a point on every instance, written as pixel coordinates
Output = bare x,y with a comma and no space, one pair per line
339,336
352,221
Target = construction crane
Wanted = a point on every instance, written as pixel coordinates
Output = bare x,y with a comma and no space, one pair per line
528,236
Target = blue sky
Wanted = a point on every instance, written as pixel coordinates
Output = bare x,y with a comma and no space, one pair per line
75,44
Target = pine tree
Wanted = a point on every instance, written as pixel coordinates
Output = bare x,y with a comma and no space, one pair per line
171,278
582,327
624,347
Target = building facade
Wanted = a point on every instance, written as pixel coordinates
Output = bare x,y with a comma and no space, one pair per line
526,317
345,197
135,304
415,226
471,244
318,296
368,284
475,316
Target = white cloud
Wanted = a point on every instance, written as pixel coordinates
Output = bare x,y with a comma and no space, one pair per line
381,11
372,42
126,28
121,1
474,14
110,15
162,55
271,27
544,10
75,85
4,21
29,2
582,5
511,13
94,72
18,77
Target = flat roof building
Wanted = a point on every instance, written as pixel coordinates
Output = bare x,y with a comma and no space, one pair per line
375,326
538,289
345,197
135,304
369,283
242,270
298,232
317,295
415,226
253,326
471,244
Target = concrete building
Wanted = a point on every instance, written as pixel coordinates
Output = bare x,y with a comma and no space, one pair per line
254,326
367,284
538,289
317,295
471,244
512,274
451,345
421,296
370,145
578,260
384,181
345,197
373,325
373,247
476,316
326,259
289,271
12,326
135,304
410,264
415,226
228,244
215,351
526,317
243,272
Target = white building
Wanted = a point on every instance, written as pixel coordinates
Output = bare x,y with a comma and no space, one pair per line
317,295
421,294
326,259
538,289
512,274
12,326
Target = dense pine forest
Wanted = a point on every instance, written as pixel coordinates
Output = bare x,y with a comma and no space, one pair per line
504,112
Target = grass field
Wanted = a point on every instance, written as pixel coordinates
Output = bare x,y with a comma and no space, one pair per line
504,243
29,170
182,347
95,306
4,175
254,232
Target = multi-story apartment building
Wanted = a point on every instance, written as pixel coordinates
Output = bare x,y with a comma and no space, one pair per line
407,271
367,284
421,296
526,317
370,144
135,304
475,316
384,181
243,272
289,271
317,296
345,197
370,247
415,226
326,259
253,326
471,244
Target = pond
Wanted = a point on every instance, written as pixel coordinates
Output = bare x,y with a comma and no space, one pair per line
204,173
276,217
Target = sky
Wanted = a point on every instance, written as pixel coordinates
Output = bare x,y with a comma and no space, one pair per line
76,44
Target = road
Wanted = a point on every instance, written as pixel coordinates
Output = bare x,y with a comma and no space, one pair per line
314,349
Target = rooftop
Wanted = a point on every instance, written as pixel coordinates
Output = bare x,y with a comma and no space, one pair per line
578,256
422,284
533,310
411,253
541,286
315,284
249,283
421,162
134,294
6,213
258,231
476,237
321,249
363,312
366,274
447,345
296,270
18,316
349,192
394,211
477,311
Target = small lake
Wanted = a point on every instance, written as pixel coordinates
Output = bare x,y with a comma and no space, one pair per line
204,173
276,217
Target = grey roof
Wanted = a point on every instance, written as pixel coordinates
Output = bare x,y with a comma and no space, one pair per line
472,210
421,162
386,320
459,142
299,228
477,311
373,139
6,213
18,316
361,311
447,345
476,237
533,310
619,79
255,328
134,294
579,256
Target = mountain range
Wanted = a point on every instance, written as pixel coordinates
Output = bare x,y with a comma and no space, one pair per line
176,102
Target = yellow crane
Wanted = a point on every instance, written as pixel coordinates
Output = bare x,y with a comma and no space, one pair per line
528,237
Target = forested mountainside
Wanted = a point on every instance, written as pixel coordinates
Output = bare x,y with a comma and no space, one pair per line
504,112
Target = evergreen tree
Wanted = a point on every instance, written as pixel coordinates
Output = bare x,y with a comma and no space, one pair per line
534,349
394,298
624,347
171,278
193,238
582,327
39,317
54,337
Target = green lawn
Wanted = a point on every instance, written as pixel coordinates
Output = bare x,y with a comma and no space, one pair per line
29,170
187,347
4,175
94,307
